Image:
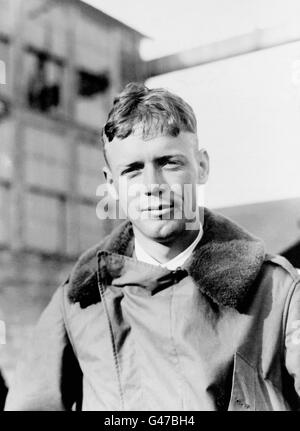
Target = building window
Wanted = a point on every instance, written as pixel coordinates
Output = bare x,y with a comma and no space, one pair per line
92,99
90,84
44,82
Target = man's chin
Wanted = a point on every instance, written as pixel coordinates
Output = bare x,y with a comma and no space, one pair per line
159,229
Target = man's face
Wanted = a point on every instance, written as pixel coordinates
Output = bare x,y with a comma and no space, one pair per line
156,180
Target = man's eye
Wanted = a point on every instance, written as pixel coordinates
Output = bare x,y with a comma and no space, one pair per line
133,174
130,172
172,164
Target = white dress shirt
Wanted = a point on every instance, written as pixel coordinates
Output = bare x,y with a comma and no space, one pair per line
173,263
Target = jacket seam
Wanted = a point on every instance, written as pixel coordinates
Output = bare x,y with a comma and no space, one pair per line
287,304
140,369
112,337
292,288
179,365
253,367
258,372
115,353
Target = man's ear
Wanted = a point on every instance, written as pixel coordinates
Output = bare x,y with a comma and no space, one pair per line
110,183
203,165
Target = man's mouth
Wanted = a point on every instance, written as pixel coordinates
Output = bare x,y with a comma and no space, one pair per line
159,209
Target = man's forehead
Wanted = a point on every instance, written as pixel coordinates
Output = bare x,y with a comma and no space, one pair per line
153,141
135,148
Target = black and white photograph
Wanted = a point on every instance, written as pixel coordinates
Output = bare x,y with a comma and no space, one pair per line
149,208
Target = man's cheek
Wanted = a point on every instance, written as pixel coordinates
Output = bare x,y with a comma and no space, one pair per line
130,207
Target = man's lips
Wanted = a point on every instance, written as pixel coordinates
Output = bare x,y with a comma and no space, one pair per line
158,211
160,207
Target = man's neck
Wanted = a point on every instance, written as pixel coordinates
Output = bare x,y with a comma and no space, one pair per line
163,252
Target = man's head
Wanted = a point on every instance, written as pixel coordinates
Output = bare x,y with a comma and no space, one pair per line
153,161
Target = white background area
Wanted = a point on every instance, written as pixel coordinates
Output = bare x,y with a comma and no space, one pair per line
174,25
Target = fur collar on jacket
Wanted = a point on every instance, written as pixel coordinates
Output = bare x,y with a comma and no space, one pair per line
225,264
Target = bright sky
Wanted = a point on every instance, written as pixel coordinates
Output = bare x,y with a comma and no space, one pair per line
176,25
248,107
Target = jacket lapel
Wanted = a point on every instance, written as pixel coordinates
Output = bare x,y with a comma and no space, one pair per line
226,262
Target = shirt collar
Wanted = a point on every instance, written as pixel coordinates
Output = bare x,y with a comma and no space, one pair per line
173,263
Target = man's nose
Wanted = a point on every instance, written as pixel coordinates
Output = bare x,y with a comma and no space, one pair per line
152,180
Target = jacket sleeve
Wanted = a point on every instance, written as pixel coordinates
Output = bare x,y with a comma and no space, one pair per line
48,376
292,340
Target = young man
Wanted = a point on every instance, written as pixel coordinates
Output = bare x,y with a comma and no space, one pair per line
176,309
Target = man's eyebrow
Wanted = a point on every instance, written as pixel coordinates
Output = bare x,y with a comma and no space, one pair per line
160,159
136,164
167,157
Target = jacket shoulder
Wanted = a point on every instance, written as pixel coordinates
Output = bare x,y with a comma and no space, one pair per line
287,268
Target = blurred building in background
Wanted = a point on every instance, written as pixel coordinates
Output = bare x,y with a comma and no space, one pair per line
65,61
